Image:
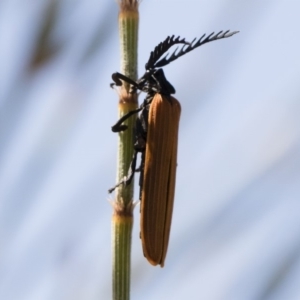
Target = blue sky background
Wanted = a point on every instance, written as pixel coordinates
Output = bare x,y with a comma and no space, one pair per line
236,223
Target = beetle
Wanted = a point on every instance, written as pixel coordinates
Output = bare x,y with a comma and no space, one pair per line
156,136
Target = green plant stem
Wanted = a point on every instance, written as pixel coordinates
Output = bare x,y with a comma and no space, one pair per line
122,219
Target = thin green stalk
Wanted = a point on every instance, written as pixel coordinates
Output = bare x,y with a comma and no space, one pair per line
122,219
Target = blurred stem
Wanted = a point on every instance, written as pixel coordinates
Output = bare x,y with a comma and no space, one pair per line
122,219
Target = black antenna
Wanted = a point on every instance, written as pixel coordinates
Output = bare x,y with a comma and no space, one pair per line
162,48
191,46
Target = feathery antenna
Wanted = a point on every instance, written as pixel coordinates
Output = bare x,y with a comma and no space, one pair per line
162,48
185,49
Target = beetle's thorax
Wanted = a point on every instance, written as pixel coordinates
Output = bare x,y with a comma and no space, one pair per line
154,81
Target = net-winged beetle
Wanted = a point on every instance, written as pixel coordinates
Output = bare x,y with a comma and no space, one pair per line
156,138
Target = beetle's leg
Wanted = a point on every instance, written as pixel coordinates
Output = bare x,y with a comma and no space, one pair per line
132,169
127,179
139,146
142,166
143,120
117,77
121,127
141,140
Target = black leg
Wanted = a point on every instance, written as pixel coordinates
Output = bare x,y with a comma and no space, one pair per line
118,126
117,77
127,179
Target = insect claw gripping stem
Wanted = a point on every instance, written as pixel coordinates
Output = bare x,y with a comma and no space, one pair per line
116,77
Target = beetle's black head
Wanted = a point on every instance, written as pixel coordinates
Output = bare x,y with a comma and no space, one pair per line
163,85
154,81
